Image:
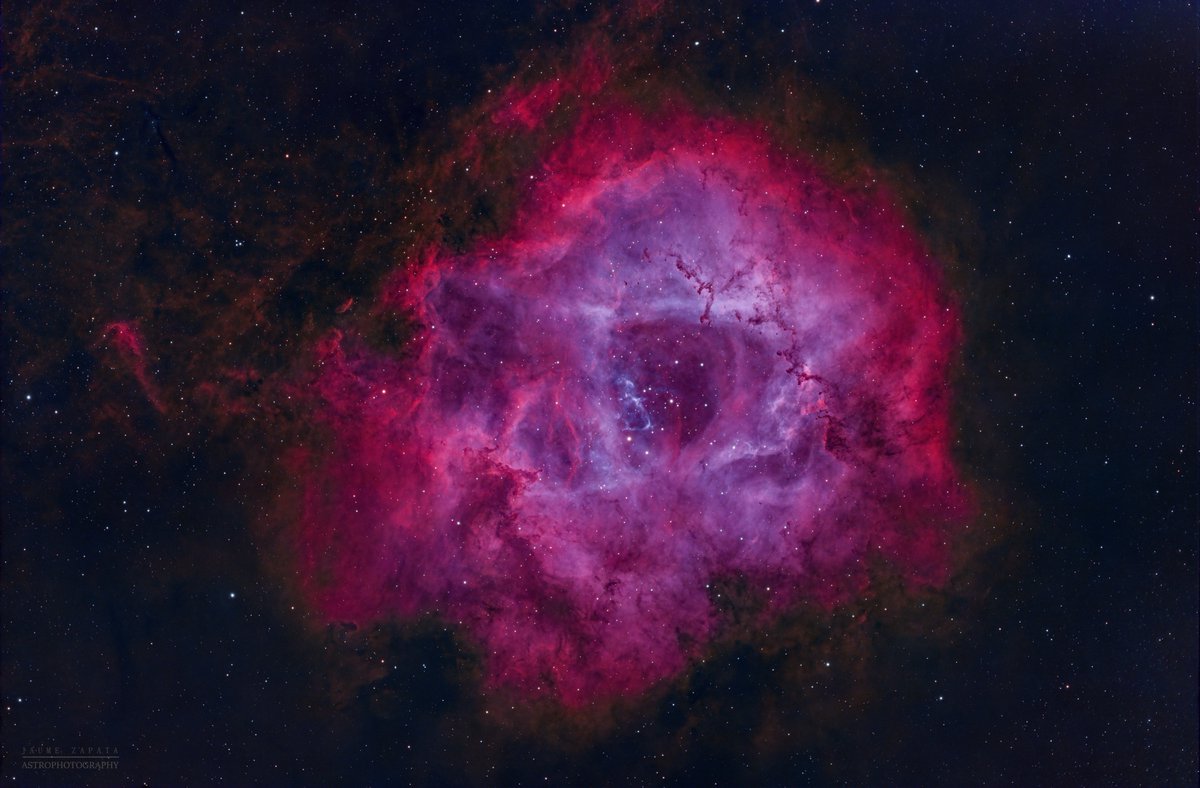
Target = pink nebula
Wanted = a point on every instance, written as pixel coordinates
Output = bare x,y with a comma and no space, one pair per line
690,357
126,339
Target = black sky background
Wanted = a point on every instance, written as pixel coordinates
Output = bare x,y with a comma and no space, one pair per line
1055,146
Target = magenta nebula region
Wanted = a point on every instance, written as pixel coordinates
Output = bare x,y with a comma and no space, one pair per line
689,357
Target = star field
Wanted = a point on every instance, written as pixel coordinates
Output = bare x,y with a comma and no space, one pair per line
575,393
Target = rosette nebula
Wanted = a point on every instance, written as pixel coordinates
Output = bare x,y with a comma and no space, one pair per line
689,356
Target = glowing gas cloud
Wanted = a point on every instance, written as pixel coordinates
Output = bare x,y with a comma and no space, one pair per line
690,356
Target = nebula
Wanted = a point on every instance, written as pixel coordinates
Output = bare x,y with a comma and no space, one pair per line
125,338
690,356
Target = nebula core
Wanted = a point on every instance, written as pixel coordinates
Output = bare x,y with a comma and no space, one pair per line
690,356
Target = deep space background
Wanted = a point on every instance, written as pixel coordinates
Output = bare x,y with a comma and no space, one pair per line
196,193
